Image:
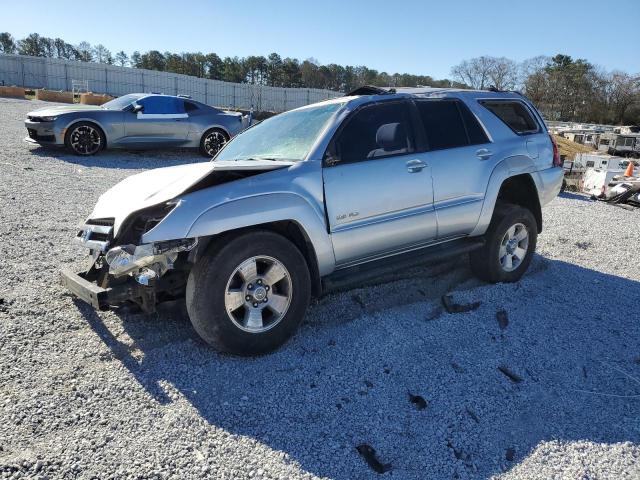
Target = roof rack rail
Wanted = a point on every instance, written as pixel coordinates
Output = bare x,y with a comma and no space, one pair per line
371,90
182,95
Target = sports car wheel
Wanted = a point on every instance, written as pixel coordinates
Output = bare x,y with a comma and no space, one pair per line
84,138
212,141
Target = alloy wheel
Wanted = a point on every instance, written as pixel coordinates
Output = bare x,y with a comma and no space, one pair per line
258,294
213,142
513,247
85,140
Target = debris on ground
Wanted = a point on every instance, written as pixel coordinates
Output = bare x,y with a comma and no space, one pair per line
510,454
515,378
358,299
452,307
503,319
473,415
369,454
418,401
457,367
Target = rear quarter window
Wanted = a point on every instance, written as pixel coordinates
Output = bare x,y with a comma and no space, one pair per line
514,114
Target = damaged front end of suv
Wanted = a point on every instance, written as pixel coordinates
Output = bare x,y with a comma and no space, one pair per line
123,269
128,261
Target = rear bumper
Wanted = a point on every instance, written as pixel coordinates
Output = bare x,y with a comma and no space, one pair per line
550,183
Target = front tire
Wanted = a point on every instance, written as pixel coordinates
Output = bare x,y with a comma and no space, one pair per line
212,142
248,294
510,242
84,139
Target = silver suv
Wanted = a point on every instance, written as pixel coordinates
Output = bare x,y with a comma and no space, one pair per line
325,197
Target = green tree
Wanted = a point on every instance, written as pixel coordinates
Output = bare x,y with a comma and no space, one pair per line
31,45
7,43
122,59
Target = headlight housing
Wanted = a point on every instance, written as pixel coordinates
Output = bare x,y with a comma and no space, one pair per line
48,119
127,259
141,221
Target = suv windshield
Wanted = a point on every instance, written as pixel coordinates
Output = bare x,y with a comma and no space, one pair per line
288,136
121,102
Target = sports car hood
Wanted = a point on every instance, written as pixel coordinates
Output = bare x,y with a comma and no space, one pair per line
162,184
57,110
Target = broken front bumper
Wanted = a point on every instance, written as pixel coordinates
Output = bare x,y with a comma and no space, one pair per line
104,298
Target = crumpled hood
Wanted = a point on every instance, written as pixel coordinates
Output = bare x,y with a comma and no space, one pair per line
162,184
57,110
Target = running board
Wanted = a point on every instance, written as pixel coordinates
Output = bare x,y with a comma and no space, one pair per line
364,273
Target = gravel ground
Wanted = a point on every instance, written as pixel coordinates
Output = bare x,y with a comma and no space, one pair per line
547,388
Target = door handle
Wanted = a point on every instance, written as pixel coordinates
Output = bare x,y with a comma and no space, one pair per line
414,166
484,153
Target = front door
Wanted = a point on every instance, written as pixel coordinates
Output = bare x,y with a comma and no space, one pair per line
162,121
378,189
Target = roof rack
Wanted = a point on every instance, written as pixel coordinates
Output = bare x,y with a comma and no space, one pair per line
182,95
371,90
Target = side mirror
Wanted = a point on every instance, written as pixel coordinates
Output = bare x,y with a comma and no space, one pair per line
137,108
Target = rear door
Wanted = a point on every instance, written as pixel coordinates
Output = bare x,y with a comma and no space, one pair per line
378,188
162,121
461,159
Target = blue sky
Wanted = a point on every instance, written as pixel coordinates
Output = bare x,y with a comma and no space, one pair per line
394,36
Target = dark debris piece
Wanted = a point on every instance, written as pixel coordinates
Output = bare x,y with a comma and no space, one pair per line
418,401
369,454
358,299
503,319
473,415
510,454
452,307
515,378
457,367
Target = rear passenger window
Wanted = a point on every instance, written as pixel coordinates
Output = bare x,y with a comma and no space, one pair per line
449,124
190,107
375,131
514,114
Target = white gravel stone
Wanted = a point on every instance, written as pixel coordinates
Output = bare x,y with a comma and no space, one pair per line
88,394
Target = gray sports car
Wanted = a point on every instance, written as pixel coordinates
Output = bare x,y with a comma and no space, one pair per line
137,120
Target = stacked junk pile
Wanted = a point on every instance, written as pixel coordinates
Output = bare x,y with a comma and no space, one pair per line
612,185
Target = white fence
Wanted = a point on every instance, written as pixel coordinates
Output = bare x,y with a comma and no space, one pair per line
58,74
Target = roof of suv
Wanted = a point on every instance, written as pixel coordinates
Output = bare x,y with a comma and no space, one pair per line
426,91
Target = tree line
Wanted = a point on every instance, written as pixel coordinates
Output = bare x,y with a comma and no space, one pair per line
563,88
272,70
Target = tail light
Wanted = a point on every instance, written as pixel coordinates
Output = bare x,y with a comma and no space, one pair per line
556,153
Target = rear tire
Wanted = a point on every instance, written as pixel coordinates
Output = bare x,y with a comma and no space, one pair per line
248,294
212,142
510,243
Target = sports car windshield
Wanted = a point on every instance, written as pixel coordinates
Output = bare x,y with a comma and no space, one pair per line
122,102
288,136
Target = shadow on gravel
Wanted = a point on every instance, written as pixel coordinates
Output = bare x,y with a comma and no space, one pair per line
575,196
569,350
122,159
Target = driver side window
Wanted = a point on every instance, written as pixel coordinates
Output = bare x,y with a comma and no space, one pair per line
376,131
158,105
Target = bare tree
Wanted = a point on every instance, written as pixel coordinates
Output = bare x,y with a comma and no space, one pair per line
474,72
484,72
101,54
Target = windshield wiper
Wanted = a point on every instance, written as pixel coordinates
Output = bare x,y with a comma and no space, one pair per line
270,159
